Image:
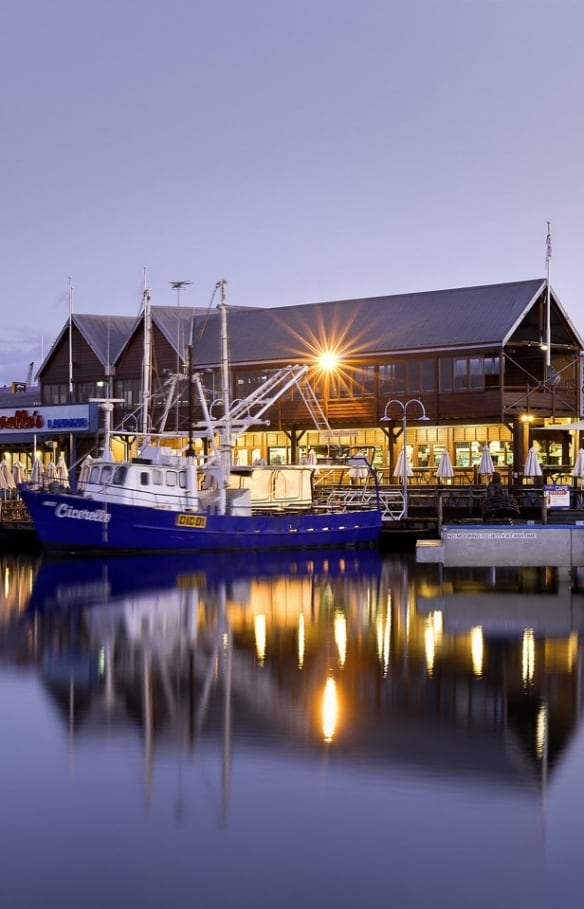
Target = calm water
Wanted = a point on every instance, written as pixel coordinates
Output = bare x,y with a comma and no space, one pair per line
319,731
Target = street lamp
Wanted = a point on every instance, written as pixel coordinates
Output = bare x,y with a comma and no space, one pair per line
423,418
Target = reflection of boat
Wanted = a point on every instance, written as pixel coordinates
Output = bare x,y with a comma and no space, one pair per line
62,585
164,502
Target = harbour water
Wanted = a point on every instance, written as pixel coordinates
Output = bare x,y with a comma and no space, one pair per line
311,730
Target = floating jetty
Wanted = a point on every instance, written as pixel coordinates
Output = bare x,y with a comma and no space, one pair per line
483,545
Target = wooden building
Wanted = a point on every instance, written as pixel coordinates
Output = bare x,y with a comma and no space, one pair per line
474,360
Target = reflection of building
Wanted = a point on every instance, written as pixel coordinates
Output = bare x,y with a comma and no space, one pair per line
456,672
472,355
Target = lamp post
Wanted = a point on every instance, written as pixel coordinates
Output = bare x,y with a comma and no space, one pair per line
423,418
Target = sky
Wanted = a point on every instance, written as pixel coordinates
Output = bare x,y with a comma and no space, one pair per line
303,150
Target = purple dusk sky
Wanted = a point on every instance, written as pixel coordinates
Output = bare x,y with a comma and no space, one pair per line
302,149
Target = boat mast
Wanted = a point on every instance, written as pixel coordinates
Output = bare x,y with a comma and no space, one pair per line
147,365
225,389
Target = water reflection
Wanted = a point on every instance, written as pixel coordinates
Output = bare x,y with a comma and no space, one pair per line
304,723
362,655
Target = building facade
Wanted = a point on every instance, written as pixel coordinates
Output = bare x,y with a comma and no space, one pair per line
497,365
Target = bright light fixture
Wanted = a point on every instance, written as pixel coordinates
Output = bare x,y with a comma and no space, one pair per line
328,360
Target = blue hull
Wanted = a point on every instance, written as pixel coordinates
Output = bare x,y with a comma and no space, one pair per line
70,523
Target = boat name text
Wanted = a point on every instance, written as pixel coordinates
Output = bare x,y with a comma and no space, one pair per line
82,514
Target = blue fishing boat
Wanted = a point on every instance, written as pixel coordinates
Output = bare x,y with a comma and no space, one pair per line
159,501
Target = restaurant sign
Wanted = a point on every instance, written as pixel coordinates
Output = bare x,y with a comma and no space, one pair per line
557,496
70,418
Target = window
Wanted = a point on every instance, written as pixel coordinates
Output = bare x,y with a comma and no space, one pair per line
469,373
414,376
54,393
119,477
129,390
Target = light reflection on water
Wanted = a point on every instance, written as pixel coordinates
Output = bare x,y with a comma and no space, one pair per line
316,729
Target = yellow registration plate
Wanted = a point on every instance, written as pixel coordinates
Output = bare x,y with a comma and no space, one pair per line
191,520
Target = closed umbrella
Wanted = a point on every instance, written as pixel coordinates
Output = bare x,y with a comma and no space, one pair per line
6,478
403,468
18,472
36,474
3,481
445,469
85,471
578,468
51,472
62,471
486,463
532,466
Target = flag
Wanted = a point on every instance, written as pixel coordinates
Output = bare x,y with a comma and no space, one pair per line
548,245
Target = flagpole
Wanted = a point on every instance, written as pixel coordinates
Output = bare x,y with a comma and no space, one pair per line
70,340
548,334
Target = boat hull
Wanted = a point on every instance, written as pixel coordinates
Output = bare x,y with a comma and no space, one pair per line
70,523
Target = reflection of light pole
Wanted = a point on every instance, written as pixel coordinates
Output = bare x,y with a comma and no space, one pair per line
386,419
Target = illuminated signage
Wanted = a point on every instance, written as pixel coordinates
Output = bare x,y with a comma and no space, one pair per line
60,418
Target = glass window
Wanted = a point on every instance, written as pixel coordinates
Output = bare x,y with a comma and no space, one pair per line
446,372
106,473
171,478
120,474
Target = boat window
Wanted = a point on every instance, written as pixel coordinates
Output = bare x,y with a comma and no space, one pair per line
144,478
94,475
171,478
106,473
120,474
182,479
157,477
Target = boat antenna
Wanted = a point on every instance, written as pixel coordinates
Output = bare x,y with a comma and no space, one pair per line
180,352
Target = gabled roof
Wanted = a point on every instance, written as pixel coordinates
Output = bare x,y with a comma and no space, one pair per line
444,319
175,323
105,335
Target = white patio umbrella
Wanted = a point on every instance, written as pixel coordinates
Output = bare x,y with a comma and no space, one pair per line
3,482
51,472
403,468
445,470
62,471
85,471
532,466
36,473
486,463
18,472
6,478
578,468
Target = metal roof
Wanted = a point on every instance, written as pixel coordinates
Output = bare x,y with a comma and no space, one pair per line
106,335
461,317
